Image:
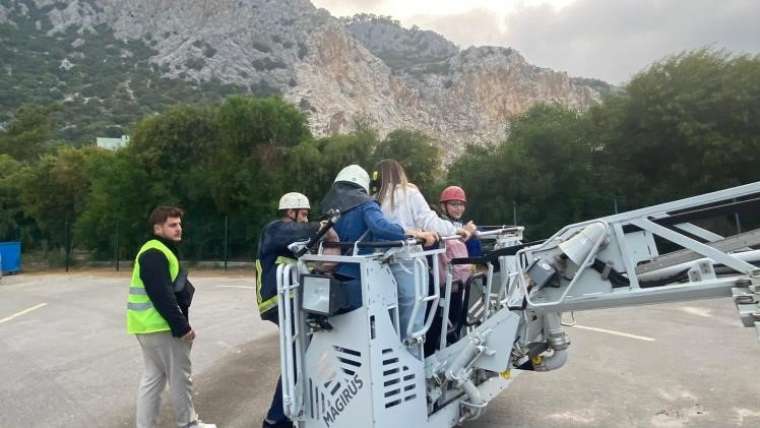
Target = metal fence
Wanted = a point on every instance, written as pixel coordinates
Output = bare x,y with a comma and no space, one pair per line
220,242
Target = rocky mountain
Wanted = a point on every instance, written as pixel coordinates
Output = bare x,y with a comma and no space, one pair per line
119,59
398,47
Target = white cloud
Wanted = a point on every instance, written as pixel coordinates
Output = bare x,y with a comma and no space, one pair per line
610,40
474,27
403,9
613,40
349,7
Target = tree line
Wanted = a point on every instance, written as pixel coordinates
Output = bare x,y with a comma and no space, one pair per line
686,125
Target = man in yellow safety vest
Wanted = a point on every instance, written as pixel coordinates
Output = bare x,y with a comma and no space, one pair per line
157,314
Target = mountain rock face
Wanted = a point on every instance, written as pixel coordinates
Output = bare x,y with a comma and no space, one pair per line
336,70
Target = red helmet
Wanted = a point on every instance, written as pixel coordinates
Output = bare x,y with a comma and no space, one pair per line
453,193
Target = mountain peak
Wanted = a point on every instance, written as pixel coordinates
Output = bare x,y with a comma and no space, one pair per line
336,70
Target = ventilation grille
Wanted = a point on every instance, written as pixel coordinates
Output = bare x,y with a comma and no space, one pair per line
318,404
349,360
320,398
398,381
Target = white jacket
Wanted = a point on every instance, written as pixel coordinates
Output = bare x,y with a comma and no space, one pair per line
411,211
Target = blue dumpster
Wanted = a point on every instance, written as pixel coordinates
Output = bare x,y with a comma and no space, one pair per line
10,257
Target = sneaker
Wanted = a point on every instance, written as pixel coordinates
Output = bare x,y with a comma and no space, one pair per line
200,424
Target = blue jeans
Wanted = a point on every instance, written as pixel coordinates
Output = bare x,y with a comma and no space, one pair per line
404,272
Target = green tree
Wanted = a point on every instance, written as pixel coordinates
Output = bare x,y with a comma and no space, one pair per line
255,135
482,172
10,205
688,124
313,164
114,219
221,163
545,169
30,133
418,154
551,159
250,168
172,150
55,192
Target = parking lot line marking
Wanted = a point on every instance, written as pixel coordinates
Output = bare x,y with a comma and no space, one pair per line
700,312
237,286
25,311
614,333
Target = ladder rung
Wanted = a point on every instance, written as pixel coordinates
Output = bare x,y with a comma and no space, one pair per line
732,243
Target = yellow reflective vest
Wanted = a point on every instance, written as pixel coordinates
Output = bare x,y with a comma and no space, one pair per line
142,317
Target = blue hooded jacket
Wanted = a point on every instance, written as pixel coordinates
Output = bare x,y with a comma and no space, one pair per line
360,214
367,217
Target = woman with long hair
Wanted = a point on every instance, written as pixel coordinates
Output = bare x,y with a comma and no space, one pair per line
403,203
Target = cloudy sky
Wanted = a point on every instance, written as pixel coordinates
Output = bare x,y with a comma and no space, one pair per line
605,39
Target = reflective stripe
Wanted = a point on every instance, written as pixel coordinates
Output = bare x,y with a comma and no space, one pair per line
258,281
282,260
142,316
270,303
264,305
138,291
139,306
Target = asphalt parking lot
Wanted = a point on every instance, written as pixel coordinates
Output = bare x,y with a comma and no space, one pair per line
67,361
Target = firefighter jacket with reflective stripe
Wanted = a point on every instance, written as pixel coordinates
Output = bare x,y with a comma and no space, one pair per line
273,251
265,302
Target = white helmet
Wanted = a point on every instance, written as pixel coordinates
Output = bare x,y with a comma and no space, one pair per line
294,201
354,174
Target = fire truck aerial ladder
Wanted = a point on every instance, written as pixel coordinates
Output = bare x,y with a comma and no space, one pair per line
349,369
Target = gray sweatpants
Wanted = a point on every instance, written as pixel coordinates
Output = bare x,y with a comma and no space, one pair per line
167,359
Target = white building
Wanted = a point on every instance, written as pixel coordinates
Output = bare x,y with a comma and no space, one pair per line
112,143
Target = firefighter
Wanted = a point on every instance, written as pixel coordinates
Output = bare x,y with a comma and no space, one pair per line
293,225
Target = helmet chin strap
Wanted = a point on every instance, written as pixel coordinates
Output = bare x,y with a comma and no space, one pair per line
447,210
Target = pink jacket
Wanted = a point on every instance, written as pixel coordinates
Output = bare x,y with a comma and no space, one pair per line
454,249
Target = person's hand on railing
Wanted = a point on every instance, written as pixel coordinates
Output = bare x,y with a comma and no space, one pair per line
427,238
467,230
327,267
464,234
